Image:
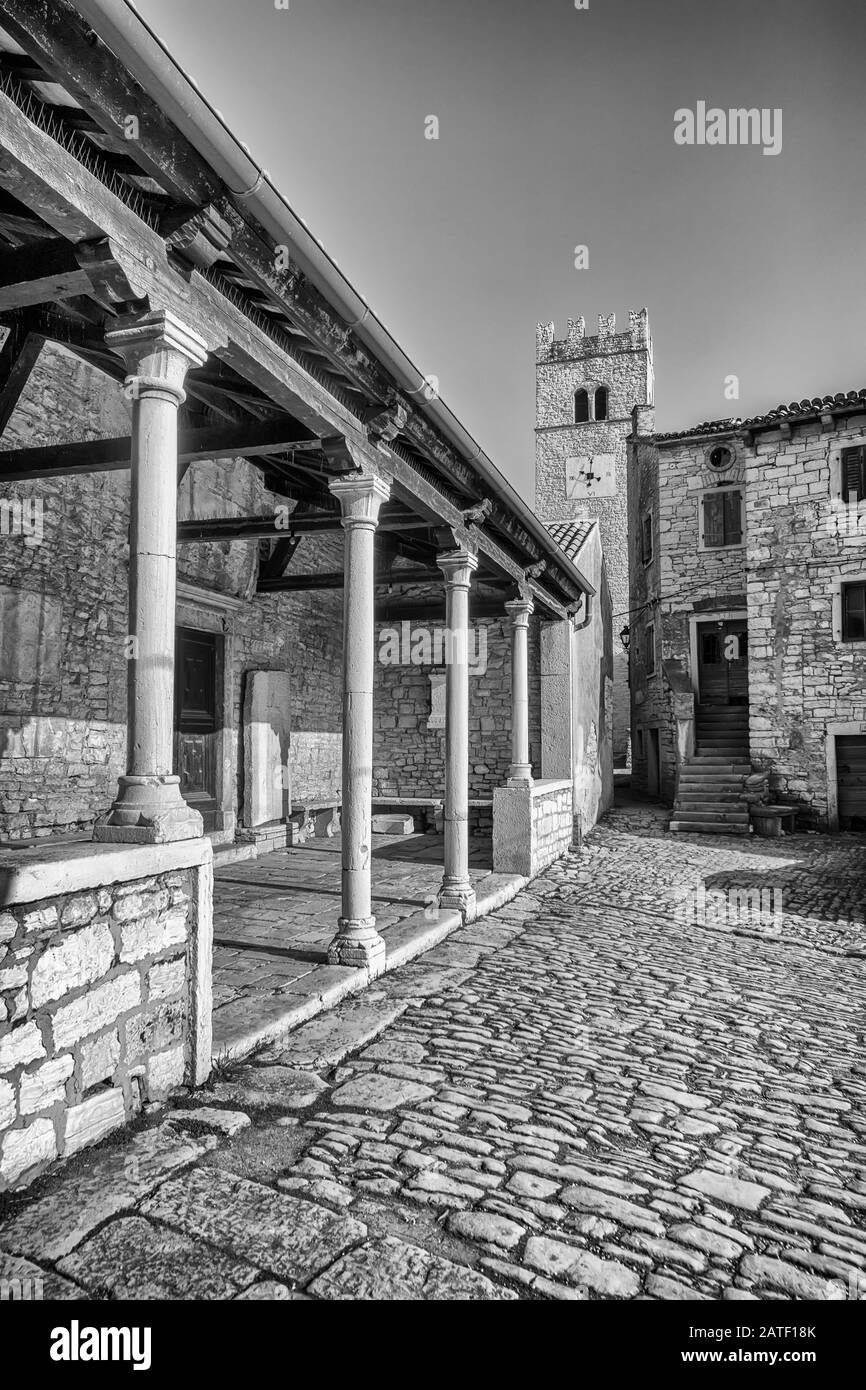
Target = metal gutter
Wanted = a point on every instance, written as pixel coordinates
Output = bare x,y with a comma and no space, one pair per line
127,33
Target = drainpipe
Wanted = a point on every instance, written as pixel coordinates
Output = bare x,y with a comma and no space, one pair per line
129,36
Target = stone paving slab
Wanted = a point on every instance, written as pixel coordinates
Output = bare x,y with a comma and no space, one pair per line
274,918
288,1238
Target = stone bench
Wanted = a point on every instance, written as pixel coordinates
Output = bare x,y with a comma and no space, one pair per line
771,822
319,819
431,808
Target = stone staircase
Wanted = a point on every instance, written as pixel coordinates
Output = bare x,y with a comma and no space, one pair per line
711,795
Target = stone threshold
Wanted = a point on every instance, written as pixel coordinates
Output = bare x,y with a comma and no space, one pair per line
327,985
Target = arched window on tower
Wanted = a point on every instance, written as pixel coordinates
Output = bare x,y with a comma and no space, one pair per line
601,403
581,407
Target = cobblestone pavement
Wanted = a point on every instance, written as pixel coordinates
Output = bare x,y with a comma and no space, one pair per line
587,1095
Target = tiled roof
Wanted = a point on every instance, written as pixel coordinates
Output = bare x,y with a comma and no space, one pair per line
783,414
570,535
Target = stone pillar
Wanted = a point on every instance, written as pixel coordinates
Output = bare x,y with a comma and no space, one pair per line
158,350
457,891
357,942
521,769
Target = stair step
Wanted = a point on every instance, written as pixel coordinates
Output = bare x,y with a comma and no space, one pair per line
685,813
708,828
699,797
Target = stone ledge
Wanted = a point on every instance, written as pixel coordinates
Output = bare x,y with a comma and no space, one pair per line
29,875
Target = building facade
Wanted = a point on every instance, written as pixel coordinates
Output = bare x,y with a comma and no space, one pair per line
257,583
748,639
586,390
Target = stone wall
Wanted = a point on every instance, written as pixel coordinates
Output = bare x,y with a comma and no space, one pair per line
104,995
804,682
409,756
533,825
682,581
803,679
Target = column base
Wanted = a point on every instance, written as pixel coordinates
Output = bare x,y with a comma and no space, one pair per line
458,894
520,775
358,944
149,811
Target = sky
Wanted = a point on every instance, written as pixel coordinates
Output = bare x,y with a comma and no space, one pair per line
556,130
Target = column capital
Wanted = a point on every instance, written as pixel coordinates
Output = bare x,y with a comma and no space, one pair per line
158,349
458,566
360,496
520,610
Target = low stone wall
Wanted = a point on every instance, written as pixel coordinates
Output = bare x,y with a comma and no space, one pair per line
105,991
533,825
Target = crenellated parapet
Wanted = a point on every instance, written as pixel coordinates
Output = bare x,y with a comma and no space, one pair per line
577,344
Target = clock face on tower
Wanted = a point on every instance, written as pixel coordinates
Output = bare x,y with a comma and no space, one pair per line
590,475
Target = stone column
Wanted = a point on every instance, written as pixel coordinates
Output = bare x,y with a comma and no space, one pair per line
457,891
357,942
520,610
158,350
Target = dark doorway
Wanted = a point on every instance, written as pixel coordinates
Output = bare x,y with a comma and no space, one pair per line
723,662
653,763
196,722
851,780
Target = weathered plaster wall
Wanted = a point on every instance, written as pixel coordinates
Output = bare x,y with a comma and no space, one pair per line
592,707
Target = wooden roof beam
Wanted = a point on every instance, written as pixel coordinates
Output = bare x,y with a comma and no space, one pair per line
104,455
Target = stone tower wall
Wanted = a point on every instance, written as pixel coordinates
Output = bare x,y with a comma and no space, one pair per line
568,453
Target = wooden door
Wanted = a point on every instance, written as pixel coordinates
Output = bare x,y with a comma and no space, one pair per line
196,720
723,663
851,780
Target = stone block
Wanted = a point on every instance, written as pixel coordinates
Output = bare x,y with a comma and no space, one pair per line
90,1121
151,936
164,1073
267,722
8,926
20,1046
393,825
96,1010
84,956
7,1104
99,1057
79,910
165,980
46,1086
155,1030
23,1149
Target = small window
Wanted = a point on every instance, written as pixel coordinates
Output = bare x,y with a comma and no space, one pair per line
601,403
646,539
650,649
854,612
854,474
723,524
721,458
581,407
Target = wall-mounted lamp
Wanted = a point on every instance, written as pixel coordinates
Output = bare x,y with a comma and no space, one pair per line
625,637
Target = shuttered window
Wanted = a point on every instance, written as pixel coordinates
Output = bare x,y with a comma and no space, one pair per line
854,474
647,539
723,523
650,652
854,612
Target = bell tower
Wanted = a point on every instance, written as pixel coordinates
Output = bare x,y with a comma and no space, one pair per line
586,389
